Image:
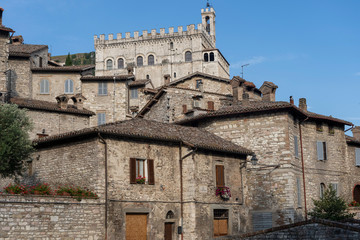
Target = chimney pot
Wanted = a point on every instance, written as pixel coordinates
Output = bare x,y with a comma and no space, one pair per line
292,100
1,14
302,104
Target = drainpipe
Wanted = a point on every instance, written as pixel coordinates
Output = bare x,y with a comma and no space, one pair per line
303,168
102,140
181,182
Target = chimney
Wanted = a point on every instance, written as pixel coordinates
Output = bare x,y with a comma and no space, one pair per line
78,100
62,101
268,90
356,132
302,104
292,100
1,14
167,79
236,83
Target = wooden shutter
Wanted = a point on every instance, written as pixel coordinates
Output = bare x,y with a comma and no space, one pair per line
320,150
132,170
296,145
210,105
357,156
184,108
151,174
220,181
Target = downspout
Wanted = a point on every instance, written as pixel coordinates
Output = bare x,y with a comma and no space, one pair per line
181,183
102,140
303,168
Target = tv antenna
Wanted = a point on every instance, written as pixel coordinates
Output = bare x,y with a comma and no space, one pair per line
242,69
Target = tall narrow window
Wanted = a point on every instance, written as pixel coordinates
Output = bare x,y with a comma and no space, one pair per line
171,45
174,74
188,56
151,60
69,86
120,63
147,76
357,157
40,61
212,57
109,64
298,187
134,93
143,168
139,61
102,90
220,177
356,193
44,86
321,150
210,105
198,83
335,188
322,189
296,146
206,57
101,118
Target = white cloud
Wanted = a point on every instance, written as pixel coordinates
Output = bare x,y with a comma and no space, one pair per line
251,61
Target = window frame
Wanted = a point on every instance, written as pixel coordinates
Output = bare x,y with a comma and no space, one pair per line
132,93
102,89
198,83
69,89
335,186
188,56
151,60
109,64
206,57
212,57
101,118
219,176
298,188
148,170
322,189
357,157
121,66
44,86
138,62
321,150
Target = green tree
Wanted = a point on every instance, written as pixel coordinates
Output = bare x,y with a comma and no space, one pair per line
68,61
330,207
15,145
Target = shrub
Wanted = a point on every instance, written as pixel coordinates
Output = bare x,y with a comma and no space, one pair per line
77,192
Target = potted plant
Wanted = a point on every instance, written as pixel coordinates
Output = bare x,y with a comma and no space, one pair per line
223,192
140,180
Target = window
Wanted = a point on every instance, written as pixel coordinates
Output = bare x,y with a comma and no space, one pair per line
44,86
40,61
198,83
171,45
212,57
321,150
296,146
210,105
148,76
335,188
69,86
120,63
331,130
102,88
170,215
139,61
356,193
188,56
196,103
184,107
101,118
322,189
151,60
220,178
221,217
261,220
206,57
319,127
298,187
174,74
134,93
357,157
109,64
142,167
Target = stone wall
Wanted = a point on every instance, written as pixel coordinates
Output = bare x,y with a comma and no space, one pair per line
20,77
55,122
41,217
353,172
4,53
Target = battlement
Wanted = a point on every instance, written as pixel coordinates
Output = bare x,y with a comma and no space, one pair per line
203,10
153,34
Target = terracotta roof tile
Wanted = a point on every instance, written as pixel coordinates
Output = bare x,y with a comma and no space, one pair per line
249,84
6,29
147,129
49,106
141,82
199,74
25,48
79,68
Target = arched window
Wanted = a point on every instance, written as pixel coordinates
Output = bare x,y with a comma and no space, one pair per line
207,19
322,189
120,63
170,215
147,76
171,45
109,64
357,193
212,57
69,86
44,86
206,57
139,61
188,56
151,60
174,74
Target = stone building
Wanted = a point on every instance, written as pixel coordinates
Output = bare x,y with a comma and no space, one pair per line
182,166
156,54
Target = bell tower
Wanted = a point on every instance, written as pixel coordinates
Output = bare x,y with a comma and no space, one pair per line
208,21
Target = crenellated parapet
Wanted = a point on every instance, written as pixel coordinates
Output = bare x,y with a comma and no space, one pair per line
153,34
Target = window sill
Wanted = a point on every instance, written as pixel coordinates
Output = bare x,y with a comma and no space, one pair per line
44,93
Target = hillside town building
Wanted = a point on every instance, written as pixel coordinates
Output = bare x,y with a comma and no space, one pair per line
162,105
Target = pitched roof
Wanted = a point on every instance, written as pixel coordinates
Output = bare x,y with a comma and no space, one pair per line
23,50
49,106
5,29
152,130
199,74
106,78
261,106
140,82
79,68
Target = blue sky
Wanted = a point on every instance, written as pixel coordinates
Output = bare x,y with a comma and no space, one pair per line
309,48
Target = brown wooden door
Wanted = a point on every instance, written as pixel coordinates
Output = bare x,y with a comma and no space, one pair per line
168,231
220,227
136,226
